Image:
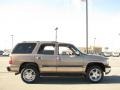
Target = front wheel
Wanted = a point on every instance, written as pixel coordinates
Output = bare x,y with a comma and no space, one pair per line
29,74
95,74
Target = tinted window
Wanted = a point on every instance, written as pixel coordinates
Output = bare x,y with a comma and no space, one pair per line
24,48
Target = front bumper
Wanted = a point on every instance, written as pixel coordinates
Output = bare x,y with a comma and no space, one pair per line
107,69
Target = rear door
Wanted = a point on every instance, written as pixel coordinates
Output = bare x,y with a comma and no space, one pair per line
46,57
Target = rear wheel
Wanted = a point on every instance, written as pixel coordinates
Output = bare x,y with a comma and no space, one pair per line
95,74
29,74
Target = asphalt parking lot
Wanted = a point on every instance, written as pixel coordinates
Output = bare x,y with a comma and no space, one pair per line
8,81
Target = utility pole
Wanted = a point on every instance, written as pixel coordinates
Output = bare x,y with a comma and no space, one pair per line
86,25
94,41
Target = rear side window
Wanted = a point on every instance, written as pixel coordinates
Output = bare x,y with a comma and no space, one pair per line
47,49
24,48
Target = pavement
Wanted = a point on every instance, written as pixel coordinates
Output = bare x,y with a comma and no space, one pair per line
8,81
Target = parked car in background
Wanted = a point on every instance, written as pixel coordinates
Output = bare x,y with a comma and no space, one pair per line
6,54
1,52
115,54
107,54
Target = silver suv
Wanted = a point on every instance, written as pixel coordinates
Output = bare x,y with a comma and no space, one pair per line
33,59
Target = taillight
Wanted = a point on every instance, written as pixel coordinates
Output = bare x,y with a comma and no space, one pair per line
10,61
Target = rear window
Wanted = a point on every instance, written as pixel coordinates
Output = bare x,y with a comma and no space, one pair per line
24,48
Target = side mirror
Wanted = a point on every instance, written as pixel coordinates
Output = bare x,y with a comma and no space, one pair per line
77,53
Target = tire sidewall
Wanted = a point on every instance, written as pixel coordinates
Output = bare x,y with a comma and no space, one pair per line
88,71
36,74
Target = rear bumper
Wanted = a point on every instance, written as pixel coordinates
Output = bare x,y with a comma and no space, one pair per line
107,69
8,69
13,68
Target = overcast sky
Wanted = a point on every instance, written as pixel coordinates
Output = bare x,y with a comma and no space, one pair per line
35,20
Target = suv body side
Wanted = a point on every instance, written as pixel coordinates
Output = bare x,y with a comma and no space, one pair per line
54,57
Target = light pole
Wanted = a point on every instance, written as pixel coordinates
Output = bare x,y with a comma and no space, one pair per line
94,45
12,40
94,42
86,25
56,33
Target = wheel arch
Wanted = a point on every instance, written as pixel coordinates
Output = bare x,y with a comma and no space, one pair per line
26,64
101,65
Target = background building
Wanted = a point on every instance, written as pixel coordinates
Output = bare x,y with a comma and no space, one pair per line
91,50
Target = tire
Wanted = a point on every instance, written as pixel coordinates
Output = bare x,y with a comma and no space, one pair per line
29,74
95,74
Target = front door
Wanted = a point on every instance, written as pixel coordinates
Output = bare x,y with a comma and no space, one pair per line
69,61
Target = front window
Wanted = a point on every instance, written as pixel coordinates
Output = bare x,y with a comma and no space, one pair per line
68,50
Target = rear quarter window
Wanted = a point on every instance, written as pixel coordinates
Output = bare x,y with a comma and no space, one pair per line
24,48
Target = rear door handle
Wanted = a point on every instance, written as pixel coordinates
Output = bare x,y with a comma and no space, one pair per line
58,58
38,57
